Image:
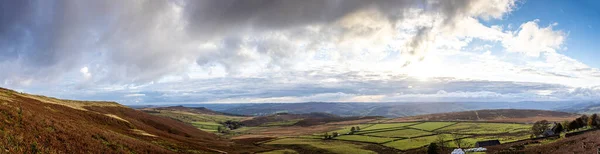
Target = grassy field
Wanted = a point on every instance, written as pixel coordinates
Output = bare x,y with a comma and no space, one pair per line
346,129
486,128
412,143
206,126
384,126
409,135
362,138
329,145
405,136
431,125
404,133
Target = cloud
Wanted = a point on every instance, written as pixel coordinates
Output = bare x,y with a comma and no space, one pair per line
355,88
532,40
135,95
85,72
270,50
143,41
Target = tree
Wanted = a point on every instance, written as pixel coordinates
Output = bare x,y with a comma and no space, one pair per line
459,143
565,125
573,125
353,129
335,134
357,128
441,141
581,122
220,129
558,128
593,120
539,127
585,119
432,148
232,124
326,135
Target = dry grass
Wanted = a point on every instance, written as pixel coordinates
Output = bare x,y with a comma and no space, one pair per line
141,132
38,124
70,103
586,143
116,117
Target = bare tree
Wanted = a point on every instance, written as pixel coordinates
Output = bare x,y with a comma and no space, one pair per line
457,140
441,141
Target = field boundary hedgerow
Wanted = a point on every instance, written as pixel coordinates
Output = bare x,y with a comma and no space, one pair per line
431,128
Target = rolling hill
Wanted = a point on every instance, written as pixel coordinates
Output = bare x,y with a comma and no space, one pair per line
390,109
308,119
583,108
32,123
200,117
498,115
180,108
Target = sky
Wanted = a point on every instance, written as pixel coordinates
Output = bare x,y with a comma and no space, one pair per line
228,51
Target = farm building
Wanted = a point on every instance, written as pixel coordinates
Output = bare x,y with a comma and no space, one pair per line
486,143
548,132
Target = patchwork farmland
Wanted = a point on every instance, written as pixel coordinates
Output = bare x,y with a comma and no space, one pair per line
327,133
405,136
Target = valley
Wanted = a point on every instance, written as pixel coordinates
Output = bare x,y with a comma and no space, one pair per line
65,126
329,133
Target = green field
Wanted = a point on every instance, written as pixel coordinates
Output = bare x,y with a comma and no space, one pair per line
206,126
346,129
404,133
389,125
412,143
407,136
329,145
362,138
430,126
486,128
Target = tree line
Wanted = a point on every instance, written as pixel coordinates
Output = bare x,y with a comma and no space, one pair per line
540,127
327,136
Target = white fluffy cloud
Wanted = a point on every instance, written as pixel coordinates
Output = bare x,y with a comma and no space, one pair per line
532,40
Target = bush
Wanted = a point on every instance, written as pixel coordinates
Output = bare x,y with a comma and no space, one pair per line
539,127
432,149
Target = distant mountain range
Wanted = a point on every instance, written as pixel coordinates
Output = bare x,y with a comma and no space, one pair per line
385,109
583,108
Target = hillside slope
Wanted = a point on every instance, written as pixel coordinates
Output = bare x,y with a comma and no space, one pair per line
200,117
498,115
390,110
195,110
583,108
31,123
586,143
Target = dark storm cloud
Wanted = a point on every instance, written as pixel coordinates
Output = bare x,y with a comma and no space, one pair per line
217,16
